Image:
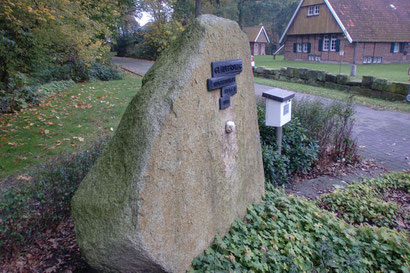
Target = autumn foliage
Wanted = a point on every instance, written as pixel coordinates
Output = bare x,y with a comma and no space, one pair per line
42,41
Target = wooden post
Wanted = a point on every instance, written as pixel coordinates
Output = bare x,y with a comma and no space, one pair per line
353,67
279,134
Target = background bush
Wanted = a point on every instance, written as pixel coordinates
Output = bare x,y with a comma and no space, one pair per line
299,152
28,91
43,199
331,124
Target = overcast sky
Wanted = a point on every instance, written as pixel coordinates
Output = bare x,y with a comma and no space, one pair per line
144,19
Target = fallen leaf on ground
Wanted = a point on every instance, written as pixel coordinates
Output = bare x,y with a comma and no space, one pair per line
78,138
24,178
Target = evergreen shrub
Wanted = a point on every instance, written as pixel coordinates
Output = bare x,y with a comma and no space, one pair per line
299,152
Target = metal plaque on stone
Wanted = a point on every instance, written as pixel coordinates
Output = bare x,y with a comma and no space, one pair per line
224,78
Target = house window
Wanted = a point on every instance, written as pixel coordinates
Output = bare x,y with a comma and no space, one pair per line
299,47
317,58
313,10
311,58
326,43
333,43
379,60
367,60
396,47
305,47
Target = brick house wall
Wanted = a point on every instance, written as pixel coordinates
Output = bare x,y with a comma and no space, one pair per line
366,52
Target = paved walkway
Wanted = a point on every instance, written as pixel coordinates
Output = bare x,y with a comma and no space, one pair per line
139,67
382,135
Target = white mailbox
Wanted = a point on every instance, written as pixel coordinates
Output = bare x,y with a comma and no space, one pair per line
278,107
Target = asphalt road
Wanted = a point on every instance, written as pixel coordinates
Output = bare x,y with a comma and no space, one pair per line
382,135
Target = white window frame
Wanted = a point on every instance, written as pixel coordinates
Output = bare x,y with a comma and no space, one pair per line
298,47
333,43
396,48
317,58
326,43
379,60
305,47
317,8
369,60
311,10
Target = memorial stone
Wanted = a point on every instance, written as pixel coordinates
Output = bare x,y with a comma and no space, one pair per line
180,168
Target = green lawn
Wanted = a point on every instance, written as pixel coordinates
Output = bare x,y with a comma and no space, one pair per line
394,72
66,122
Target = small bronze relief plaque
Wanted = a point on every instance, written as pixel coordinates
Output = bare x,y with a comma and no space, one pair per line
224,77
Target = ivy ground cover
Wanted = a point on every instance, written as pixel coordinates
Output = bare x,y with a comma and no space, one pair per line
290,234
382,202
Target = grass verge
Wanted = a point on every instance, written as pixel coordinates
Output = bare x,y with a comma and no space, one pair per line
68,121
393,72
336,95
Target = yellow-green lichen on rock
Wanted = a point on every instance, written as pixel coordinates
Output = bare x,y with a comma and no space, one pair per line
172,178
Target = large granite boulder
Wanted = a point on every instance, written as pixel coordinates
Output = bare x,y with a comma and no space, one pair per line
174,175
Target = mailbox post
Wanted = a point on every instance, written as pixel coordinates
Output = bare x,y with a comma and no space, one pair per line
278,110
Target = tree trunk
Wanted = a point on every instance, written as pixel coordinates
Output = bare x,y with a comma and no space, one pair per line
240,12
197,8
